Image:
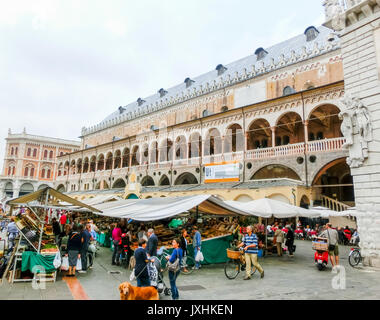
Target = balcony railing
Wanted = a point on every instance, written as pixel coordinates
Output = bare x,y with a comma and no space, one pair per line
291,150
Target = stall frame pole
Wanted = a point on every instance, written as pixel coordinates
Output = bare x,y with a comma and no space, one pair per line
43,222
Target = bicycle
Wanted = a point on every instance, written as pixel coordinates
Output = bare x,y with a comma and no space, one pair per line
187,264
355,257
236,264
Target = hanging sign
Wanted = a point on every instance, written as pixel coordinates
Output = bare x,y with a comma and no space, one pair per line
222,172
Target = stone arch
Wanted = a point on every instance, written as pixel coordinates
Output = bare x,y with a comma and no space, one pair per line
213,143
305,202
61,188
144,157
26,188
118,184
126,157
8,189
259,134
324,123
275,171
195,145
109,161
166,150
147,181
100,165
132,196
243,198
280,197
135,156
186,178
289,129
42,186
234,139
117,161
93,164
180,148
86,165
164,181
153,152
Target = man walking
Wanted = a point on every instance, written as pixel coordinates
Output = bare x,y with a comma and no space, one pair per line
333,237
151,247
86,237
197,244
250,244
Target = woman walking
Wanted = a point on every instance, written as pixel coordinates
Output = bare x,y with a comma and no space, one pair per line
177,254
279,236
183,246
141,268
73,247
116,237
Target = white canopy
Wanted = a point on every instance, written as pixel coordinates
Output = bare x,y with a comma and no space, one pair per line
154,209
101,199
267,208
327,213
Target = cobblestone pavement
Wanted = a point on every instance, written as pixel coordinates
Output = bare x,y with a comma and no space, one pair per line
285,278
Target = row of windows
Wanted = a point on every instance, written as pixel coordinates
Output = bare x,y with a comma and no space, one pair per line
14,151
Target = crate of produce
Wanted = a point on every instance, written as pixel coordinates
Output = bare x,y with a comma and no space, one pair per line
321,245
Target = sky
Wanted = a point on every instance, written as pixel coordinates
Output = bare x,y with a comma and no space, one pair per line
66,64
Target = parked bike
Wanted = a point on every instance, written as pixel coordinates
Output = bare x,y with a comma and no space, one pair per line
355,257
236,264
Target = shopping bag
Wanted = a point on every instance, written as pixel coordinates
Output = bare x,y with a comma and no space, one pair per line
57,260
132,277
65,264
92,248
199,257
79,265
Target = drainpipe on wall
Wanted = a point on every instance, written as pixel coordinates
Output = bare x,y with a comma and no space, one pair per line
305,145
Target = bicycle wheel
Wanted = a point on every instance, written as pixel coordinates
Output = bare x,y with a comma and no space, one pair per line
355,258
232,269
188,264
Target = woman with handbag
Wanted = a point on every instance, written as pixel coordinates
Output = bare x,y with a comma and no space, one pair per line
174,267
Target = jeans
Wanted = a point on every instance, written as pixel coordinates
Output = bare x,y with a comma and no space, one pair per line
116,254
83,257
143,282
173,277
197,264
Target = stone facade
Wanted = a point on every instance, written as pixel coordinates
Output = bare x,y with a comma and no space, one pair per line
359,28
277,116
30,162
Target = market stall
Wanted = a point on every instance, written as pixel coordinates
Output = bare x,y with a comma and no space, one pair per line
36,243
167,216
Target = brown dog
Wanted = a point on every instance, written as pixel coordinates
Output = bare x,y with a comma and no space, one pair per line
129,292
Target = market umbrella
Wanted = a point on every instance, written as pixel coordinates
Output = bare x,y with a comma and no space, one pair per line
268,208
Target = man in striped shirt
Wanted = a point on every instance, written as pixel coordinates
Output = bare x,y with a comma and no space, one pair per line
250,245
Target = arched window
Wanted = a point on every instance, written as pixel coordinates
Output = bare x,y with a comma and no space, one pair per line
26,171
48,174
205,113
9,171
285,140
13,171
32,172
16,151
45,154
311,136
12,151
311,33
278,141
43,173
288,90
59,173
51,155
34,153
29,152
224,109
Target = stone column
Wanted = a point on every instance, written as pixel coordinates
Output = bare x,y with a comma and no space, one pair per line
273,136
359,28
306,128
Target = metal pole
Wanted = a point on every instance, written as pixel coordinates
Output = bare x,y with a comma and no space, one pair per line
43,222
266,235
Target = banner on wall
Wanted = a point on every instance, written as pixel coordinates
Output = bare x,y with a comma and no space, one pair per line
222,172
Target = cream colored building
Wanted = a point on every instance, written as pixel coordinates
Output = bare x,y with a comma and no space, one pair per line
275,112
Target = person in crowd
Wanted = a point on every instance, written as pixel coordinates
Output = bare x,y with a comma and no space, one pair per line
348,234
116,238
152,243
65,238
142,233
12,232
355,238
333,237
73,248
63,220
197,244
176,254
183,245
86,238
250,245
57,231
141,267
341,236
123,226
279,237
290,240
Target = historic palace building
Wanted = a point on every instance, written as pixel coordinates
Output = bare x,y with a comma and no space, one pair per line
276,112
30,162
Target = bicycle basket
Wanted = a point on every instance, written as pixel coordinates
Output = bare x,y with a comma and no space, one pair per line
234,255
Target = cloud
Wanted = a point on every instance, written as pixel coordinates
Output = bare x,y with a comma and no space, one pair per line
69,64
